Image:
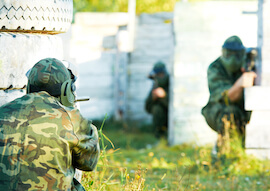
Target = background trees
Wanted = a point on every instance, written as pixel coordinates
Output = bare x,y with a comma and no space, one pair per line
142,6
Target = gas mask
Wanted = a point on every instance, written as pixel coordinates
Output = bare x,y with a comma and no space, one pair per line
233,60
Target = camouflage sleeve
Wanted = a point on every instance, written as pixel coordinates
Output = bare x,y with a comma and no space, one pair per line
164,101
86,153
218,84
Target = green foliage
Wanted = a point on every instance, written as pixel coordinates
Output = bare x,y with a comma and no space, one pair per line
100,6
154,6
142,6
160,167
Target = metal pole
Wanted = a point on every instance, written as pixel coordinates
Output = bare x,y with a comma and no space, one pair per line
259,40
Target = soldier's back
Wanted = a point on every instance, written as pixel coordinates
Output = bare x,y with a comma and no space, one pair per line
36,136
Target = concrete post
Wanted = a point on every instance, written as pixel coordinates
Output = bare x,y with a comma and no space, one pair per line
131,23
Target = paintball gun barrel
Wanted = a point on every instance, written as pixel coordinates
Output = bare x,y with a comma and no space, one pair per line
85,98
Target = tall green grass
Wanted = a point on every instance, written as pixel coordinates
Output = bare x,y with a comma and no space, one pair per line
153,165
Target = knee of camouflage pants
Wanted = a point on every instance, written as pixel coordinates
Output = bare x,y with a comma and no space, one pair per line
218,113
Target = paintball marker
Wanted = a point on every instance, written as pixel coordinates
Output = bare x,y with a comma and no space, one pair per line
251,56
85,98
153,77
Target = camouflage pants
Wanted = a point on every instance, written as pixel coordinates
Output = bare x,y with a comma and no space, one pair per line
160,120
215,114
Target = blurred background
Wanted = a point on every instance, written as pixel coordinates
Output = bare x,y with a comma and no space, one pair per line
115,44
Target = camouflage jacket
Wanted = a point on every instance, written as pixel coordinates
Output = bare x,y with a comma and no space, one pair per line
164,102
219,81
42,141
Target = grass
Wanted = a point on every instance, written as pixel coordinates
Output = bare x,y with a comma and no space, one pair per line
136,160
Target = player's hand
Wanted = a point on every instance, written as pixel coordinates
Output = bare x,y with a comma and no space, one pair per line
158,93
247,79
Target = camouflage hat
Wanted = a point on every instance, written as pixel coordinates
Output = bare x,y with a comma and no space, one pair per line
47,75
233,43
